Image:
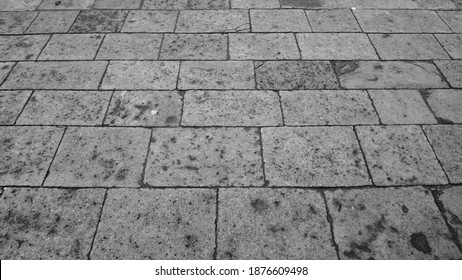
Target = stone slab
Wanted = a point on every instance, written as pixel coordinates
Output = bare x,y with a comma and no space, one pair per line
363,4
21,47
72,47
451,200
118,4
53,22
440,4
332,20
277,46
130,46
5,68
150,21
279,21
94,21
451,43
218,21
19,5
445,104
194,47
66,5
453,19
452,71
185,4
15,22
11,104
248,4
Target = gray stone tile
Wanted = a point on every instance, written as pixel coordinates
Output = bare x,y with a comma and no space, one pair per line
279,21
21,47
431,4
263,46
313,157
144,108
157,224
94,21
100,157
15,22
67,4
216,75
130,46
452,43
53,22
5,68
273,224
19,5
391,223
388,75
141,75
48,224
452,71
327,107
26,154
65,108
11,104
150,21
335,46
363,4
458,3
117,4
72,47
445,104
453,19
451,200
194,47
302,4
204,157
399,155
401,107
248,4
291,75
231,108
218,21
332,21
185,4
56,75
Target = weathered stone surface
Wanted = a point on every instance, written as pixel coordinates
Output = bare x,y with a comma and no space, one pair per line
453,19
144,108
130,46
150,21
100,157
399,155
21,47
185,4
117,4
279,21
363,4
66,4
263,46
332,21
53,22
48,223
452,43
451,200
446,104
11,104
19,5
452,71
26,154
5,68
273,224
157,224
213,21
94,21
247,4
204,157
431,4
65,108
325,107
231,108
72,47
15,22
392,223
194,47
313,157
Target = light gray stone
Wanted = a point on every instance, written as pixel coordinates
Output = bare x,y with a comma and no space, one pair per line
185,4
15,22
118,4
95,21
440,4
452,71
446,104
72,47
53,22
363,4
279,21
194,47
67,4
5,68
21,47
218,21
332,21
150,21
263,46
452,43
451,200
248,4
453,19
130,46
11,104
19,5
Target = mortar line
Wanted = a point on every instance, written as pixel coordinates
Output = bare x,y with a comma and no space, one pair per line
176,21
99,47
161,46
357,21
107,108
445,50
330,220
265,182
280,107
450,28
373,106
250,21
75,20
102,76
373,46
145,163
443,76
8,74
24,107
423,93
30,24
364,156
97,225
434,153
227,48
41,2
298,46
308,19
217,198
43,48
54,157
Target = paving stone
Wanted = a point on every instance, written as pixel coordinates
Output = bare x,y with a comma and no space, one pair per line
65,108
53,22
399,155
144,108
458,3
11,104
5,68
118,4
445,104
231,108
251,4
21,47
204,157
325,107
313,157
216,75
263,46
332,21
452,43
100,157
94,21
15,22
67,4
279,21
431,4
391,223
273,224
213,21
185,4
48,223
445,140
56,75
72,47
335,46
363,4
401,107
19,5
130,46
141,75
388,74
157,224
194,46
451,200
408,46
453,19
150,21
291,75
26,154
452,71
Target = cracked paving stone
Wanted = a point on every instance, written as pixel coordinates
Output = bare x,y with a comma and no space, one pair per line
453,19
94,21
451,43
194,47
399,155
5,68
332,21
157,224
130,46
204,157
446,104
150,21
21,47
53,22
185,4
15,22
273,224
392,223
256,46
72,47
231,108
451,199
100,157
19,5
213,21
144,108
252,4
452,71
279,21
316,107
66,4
118,4
48,223
11,104
65,108
313,157
27,153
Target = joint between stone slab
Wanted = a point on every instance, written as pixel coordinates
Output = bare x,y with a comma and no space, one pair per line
298,46
97,225
331,225
442,75
425,94
176,21
160,46
437,12
373,106
434,153
364,156
107,109
265,182
32,22
308,19
445,50
145,163
102,77
54,156
23,107
8,74
280,107
99,46
373,46
215,250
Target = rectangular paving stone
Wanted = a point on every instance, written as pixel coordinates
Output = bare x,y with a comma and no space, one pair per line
157,224
194,47
72,47
451,43
65,108
452,71
399,155
5,68
196,157
453,19
273,224
217,21
248,4
56,75
15,22
391,223
279,21
292,75
185,4
363,4
332,20
118,4
446,104
48,224
150,21
451,200
216,75
53,22
99,157
144,108
94,21
130,46
327,107
66,4
231,108
19,5
11,104
26,154
335,46
21,47
263,46
313,157
388,75
141,75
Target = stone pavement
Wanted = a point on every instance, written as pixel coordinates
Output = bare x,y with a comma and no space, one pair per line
231,129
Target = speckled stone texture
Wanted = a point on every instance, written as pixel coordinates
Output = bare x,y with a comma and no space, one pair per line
185,4
53,22
21,47
5,68
332,20
11,104
194,47
15,22
150,21
213,21
19,5
453,211
93,21
263,46
130,46
279,21
72,47
66,4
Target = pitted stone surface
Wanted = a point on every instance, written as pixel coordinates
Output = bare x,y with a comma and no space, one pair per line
185,4
452,71
72,47
53,22
11,104
5,69
150,21
19,5
21,47
15,22
67,4
247,4
130,46
218,21
253,46
332,21
453,19
446,104
194,47
451,200
452,43
94,21
279,21
117,4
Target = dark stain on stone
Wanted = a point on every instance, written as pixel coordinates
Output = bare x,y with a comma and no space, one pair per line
303,3
121,174
190,240
337,204
57,3
142,108
405,209
378,67
375,79
345,67
386,35
454,219
170,119
443,121
259,205
275,229
5,67
362,247
351,255
75,249
312,210
420,242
